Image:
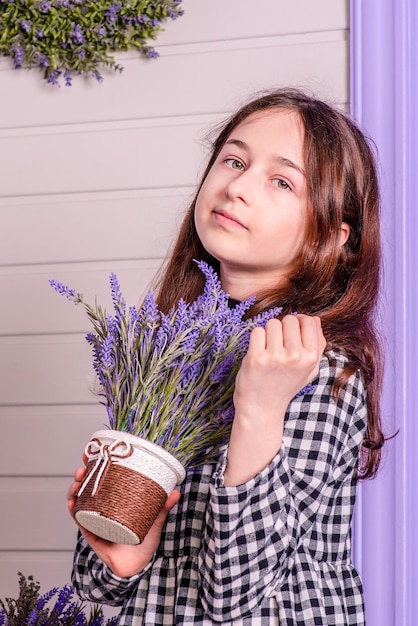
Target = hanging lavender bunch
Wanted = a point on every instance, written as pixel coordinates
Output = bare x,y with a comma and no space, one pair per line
169,378
68,38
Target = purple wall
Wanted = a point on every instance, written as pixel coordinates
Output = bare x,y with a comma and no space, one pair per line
384,99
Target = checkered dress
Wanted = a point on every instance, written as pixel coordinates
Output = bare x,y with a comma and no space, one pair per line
273,551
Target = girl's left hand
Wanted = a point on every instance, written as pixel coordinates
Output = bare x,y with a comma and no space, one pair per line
281,359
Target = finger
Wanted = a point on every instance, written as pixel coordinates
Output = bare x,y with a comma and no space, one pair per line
71,501
313,341
274,336
171,501
70,507
292,339
79,474
72,491
257,341
322,340
310,331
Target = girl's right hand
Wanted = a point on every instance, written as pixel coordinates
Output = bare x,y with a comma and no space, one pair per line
123,560
281,359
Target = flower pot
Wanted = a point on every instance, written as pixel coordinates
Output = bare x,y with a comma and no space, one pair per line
127,482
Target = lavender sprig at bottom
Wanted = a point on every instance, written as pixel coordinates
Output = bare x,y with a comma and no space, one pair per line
169,378
56,607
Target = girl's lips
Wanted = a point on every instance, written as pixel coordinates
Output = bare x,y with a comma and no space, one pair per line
226,218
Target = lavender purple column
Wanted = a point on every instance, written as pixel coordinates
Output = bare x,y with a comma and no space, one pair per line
384,99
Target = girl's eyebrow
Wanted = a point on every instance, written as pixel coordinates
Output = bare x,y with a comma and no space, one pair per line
277,158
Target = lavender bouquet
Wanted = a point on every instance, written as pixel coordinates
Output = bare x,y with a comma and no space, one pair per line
57,607
169,378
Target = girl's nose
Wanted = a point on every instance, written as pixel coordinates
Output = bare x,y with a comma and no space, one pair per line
242,187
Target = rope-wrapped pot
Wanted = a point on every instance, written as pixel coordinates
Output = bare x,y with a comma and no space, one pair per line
127,482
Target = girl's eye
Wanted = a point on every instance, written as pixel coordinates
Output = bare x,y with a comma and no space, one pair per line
234,164
281,184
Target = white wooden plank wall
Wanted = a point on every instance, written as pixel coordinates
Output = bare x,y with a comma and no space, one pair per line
94,179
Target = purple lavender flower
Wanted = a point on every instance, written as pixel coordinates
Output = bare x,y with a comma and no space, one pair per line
53,76
43,60
222,370
112,326
152,54
107,357
73,616
226,416
71,294
77,34
25,25
119,302
112,12
240,309
44,599
133,316
45,6
149,314
191,374
64,595
18,53
180,316
68,76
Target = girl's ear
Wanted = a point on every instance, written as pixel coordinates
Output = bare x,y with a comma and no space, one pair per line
345,232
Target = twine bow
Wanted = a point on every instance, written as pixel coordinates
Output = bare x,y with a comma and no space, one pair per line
104,454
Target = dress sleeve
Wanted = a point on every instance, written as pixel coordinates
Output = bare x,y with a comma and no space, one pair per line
95,582
253,531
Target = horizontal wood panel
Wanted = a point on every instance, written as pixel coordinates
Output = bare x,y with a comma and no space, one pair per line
34,514
109,160
46,370
47,440
176,85
50,568
89,228
35,308
241,18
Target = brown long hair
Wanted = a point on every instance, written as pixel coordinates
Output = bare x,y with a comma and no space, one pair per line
338,283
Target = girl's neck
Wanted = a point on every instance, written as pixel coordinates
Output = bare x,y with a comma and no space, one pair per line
242,286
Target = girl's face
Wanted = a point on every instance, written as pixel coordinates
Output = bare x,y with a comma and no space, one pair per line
251,211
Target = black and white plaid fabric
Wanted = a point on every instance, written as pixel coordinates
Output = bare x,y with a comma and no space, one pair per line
274,551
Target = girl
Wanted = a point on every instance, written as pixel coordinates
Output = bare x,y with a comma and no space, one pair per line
288,210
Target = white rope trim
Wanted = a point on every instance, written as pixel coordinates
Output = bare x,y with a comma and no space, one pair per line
103,454
124,453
